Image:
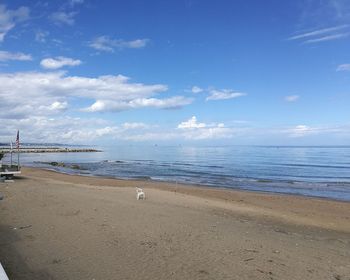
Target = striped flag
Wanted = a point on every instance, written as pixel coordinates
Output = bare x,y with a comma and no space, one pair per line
17,140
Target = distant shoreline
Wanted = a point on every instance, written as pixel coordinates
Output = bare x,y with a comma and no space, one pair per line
51,150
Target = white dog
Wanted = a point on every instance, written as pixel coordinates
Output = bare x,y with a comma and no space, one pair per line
140,194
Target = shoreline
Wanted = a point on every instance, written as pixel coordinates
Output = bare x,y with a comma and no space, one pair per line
209,186
284,208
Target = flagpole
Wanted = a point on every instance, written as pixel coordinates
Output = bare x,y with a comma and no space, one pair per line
11,153
18,157
17,143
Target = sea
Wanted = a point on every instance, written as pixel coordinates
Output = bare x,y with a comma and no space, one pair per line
318,171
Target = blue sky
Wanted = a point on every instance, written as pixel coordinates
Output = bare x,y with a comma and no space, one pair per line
172,72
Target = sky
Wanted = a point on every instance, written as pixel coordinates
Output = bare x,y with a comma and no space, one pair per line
196,72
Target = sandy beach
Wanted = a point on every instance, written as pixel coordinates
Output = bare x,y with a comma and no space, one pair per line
57,226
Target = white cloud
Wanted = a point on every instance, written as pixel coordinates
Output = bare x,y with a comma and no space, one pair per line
343,67
150,136
63,18
51,109
328,38
167,103
61,129
300,131
111,105
58,106
292,98
196,89
105,131
59,62
223,94
193,130
6,56
191,123
64,129
76,2
57,41
22,93
40,36
304,130
107,44
190,130
134,125
9,19
318,32
210,133
321,35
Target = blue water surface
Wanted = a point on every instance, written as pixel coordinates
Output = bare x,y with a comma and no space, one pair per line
311,171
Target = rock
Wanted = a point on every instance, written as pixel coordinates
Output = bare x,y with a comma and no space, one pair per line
75,166
55,163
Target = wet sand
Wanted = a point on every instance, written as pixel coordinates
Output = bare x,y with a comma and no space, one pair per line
57,226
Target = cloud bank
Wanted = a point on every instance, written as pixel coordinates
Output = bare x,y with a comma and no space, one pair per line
23,94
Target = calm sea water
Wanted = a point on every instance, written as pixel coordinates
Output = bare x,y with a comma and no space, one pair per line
310,171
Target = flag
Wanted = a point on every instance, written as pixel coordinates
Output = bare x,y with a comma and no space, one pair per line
17,140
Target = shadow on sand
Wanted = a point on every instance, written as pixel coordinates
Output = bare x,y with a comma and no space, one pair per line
14,264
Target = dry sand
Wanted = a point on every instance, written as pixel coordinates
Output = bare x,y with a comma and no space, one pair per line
56,226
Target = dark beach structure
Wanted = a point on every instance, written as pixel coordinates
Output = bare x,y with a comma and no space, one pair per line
9,170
